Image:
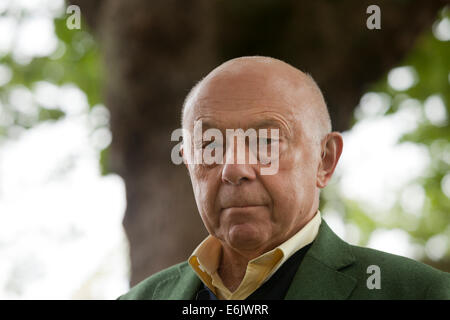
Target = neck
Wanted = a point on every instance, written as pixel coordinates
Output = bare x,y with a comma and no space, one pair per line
233,265
232,268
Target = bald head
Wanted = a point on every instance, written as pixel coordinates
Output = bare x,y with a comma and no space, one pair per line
256,76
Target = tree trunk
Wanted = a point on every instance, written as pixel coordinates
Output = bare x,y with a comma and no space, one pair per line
155,51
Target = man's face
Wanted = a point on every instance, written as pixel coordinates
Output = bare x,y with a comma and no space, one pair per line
244,209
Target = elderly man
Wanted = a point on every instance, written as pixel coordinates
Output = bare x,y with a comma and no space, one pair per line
266,236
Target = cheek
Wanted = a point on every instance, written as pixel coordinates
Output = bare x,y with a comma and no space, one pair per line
200,181
285,195
301,166
292,187
205,187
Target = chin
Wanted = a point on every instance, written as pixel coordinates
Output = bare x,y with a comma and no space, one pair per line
246,237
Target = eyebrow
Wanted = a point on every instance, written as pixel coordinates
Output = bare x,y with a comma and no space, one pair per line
265,123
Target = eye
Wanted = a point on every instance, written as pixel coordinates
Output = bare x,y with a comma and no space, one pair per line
211,145
267,141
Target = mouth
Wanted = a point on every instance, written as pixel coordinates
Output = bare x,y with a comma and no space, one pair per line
245,206
242,207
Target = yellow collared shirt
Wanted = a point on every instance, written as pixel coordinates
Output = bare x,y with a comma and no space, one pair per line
206,258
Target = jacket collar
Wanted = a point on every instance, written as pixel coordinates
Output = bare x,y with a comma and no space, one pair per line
181,286
318,276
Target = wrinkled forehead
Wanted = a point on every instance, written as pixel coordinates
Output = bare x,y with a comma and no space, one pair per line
239,99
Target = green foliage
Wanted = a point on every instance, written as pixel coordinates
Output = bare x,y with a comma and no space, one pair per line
75,61
430,59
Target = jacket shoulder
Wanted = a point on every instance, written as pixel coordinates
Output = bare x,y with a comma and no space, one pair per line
146,289
400,277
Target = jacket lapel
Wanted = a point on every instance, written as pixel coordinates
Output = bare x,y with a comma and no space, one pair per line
318,276
182,286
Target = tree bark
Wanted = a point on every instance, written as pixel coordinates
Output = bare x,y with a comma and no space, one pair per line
155,51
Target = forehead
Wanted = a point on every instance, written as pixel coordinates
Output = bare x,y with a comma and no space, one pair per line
247,100
255,118
249,85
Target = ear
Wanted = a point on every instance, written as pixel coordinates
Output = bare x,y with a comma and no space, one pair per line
183,156
331,149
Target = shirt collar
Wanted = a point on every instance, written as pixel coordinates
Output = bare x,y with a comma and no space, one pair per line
206,257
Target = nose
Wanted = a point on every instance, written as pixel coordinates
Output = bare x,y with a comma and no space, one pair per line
235,173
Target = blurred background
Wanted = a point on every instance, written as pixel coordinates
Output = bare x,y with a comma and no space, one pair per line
90,92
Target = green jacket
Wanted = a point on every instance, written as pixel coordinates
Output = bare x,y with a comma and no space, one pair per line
331,269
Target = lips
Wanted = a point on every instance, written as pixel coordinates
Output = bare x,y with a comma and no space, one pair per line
241,199
242,206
